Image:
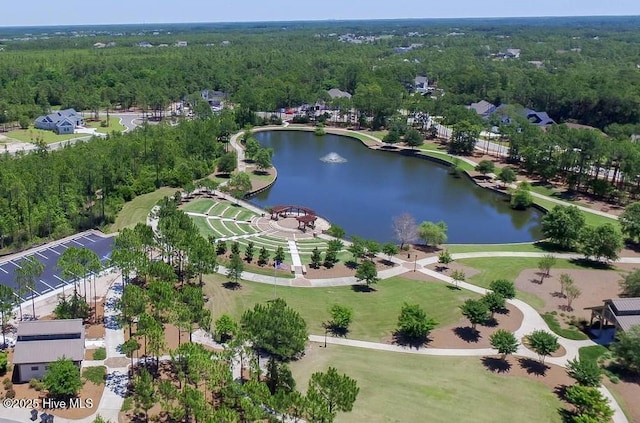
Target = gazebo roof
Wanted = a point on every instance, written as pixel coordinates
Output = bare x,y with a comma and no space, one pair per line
307,218
281,209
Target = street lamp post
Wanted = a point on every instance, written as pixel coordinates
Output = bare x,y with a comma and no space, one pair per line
415,262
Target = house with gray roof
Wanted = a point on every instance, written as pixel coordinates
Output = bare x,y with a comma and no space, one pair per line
337,93
60,122
41,342
215,98
482,108
421,84
622,313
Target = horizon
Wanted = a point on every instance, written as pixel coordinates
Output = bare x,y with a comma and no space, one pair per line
470,18
121,12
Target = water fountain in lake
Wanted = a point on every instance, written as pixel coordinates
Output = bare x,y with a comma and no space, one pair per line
333,158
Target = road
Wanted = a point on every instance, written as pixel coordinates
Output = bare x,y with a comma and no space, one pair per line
129,120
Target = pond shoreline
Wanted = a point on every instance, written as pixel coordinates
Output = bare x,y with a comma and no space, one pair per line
375,145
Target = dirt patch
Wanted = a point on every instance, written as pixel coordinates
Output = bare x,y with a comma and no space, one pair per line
629,389
339,270
552,376
595,285
89,397
460,334
88,354
171,338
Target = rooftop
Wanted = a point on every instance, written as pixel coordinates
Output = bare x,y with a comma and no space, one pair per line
626,305
44,341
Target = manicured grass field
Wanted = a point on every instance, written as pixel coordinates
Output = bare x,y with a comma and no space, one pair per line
375,314
447,158
530,247
398,387
32,134
136,210
590,218
114,125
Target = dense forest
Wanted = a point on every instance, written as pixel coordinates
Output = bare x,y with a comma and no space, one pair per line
582,70
588,70
55,193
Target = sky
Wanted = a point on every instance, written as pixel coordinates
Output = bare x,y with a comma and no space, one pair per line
87,12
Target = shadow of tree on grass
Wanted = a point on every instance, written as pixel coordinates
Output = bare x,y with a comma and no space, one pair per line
362,288
496,364
231,285
401,339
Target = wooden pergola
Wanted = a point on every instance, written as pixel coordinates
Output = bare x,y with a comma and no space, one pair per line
283,211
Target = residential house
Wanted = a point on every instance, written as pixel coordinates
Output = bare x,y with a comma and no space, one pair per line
61,122
421,84
337,93
214,98
181,44
622,313
538,118
483,108
145,44
41,342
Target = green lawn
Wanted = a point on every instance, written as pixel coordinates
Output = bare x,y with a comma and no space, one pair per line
509,268
529,247
114,125
447,158
32,134
569,333
136,210
592,353
399,388
200,205
590,218
375,314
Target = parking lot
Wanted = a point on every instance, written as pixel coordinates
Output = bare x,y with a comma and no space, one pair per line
48,255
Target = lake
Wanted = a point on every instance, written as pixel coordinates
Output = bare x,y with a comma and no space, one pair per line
364,193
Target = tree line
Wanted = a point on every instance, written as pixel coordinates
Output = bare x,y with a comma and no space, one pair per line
51,194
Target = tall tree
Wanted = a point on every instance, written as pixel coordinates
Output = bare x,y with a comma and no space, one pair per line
405,229
30,269
144,392
235,268
604,241
7,302
338,392
433,234
630,221
563,225
276,328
